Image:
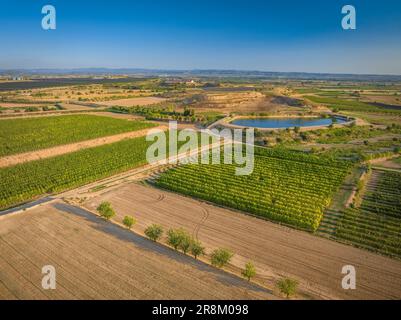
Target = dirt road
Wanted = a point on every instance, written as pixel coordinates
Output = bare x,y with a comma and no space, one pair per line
276,250
95,259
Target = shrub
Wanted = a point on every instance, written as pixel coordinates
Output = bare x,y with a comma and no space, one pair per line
129,221
249,271
220,257
154,232
287,286
105,210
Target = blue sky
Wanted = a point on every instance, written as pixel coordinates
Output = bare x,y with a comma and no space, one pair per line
303,36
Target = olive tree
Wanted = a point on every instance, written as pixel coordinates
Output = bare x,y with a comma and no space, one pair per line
249,271
185,243
197,249
105,210
179,239
154,232
220,257
129,221
287,286
174,237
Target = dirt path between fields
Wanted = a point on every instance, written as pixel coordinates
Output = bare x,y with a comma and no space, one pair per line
276,251
63,149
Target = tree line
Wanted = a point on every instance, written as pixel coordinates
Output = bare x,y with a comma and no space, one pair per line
180,239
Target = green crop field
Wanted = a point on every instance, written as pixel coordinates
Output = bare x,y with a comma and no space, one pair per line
22,135
346,134
351,105
27,181
376,224
285,186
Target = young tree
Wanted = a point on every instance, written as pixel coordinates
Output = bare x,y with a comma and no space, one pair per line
129,221
185,243
179,239
197,249
249,271
105,210
174,238
220,257
154,232
287,286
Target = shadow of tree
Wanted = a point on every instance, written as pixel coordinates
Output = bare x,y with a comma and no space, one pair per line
154,247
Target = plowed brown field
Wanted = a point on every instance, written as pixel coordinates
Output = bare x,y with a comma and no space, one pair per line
95,259
276,250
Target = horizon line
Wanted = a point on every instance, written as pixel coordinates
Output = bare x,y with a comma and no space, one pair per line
190,70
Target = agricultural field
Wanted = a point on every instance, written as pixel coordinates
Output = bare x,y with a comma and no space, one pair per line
22,135
376,223
133,102
87,157
27,181
287,187
353,105
376,118
346,134
275,250
95,259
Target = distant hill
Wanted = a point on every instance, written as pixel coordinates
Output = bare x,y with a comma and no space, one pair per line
202,73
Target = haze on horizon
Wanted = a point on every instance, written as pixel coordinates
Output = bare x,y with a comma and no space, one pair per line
256,35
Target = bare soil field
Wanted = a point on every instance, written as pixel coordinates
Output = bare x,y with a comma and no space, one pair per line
277,251
17,105
67,148
143,101
385,99
126,116
387,163
71,106
95,259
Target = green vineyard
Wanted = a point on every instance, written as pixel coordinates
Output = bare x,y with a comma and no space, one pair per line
351,105
376,225
385,198
289,187
29,180
22,135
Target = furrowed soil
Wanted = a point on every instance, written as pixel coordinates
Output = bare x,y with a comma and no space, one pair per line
96,259
142,101
276,251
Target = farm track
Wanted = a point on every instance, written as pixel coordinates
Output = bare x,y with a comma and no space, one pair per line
276,250
95,259
201,223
